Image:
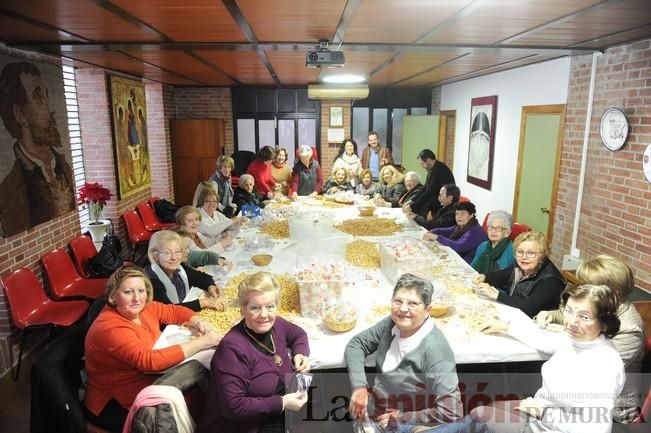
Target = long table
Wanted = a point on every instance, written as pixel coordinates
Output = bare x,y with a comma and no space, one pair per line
313,237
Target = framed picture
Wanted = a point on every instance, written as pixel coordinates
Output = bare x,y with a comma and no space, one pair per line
481,146
336,116
129,121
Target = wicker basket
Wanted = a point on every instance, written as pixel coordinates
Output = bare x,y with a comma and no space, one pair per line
340,326
366,211
261,259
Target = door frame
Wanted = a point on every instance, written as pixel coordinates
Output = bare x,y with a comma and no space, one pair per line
442,149
541,109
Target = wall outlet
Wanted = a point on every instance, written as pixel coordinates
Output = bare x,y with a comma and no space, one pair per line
571,262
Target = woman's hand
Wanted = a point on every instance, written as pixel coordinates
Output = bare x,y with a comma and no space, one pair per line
301,363
531,406
485,289
430,236
543,319
495,327
270,195
407,208
294,401
479,278
210,339
225,263
198,326
358,402
214,291
226,241
390,416
313,194
212,302
294,196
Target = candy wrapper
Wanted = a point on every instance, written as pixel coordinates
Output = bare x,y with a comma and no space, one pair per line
303,382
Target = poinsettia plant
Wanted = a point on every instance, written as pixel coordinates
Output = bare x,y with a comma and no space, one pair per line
95,196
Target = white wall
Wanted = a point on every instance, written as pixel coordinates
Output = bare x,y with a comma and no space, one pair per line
540,84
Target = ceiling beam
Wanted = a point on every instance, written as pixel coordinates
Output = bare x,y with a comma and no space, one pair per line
247,31
41,24
646,26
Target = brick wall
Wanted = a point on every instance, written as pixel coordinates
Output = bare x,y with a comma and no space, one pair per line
436,100
329,150
616,208
206,103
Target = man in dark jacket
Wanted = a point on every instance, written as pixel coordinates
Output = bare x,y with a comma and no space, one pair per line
438,174
448,196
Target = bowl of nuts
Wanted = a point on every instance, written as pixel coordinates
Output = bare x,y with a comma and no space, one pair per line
261,259
366,210
340,317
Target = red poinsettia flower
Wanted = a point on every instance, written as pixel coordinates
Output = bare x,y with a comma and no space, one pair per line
94,193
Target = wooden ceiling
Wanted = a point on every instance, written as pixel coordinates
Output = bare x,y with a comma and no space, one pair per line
264,42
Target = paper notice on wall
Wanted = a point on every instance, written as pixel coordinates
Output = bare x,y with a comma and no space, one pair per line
335,135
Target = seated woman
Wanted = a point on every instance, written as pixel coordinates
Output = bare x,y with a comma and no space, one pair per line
306,175
280,171
415,352
252,362
172,279
579,382
214,224
221,181
413,185
366,186
392,184
347,159
119,346
533,285
465,237
338,182
629,340
496,253
247,195
260,169
189,219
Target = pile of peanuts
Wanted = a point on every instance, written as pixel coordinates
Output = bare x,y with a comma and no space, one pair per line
369,226
363,254
277,229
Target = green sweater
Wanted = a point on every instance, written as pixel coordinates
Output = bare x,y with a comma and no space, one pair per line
425,375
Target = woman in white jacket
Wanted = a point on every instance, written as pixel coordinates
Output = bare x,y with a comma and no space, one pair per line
348,160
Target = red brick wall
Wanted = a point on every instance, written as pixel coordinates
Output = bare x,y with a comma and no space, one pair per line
206,103
329,150
616,208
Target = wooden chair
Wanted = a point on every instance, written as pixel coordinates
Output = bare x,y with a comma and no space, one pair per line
32,309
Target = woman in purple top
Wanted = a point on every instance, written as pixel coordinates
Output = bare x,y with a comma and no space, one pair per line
251,366
465,237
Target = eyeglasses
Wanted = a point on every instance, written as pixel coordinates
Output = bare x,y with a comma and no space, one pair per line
257,309
529,254
411,305
583,317
211,201
166,254
498,229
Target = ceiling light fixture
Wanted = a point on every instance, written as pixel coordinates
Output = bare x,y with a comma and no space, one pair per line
344,78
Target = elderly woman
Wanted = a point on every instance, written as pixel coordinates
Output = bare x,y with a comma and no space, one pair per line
338,182
172,279
189,219
222,179
465,237
347,159
260,169
306,175
249,369
629,340
413,185
533,285
246,194
413,350
366,186
392,183
280,171
496,253
579,382
119,346
213,223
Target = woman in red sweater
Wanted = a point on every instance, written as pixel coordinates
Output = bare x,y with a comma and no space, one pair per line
260,169
119,346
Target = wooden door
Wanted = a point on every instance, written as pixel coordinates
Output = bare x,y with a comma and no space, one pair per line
445,151
196,145
541,134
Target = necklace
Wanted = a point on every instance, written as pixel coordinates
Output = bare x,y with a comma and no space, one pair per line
277,359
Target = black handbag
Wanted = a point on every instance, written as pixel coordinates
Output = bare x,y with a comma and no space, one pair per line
108,258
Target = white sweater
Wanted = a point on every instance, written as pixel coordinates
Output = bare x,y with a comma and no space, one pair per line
580,381
214,226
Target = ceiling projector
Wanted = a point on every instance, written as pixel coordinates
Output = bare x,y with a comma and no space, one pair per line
324,58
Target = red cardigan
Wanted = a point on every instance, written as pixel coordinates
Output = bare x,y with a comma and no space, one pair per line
119,351
261,172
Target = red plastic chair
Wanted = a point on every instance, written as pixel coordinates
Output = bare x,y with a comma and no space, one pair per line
518,228
32,309
65,281
463,199
150,220
485,223
82,249
138,235
152,201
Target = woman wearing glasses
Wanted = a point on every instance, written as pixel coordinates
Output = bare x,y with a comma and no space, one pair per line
213,224
172,279
533,285
415,358
253,360
496,253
